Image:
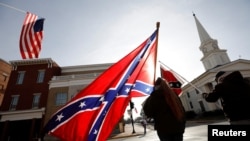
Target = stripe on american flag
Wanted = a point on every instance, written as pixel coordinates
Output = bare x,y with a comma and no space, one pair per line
31,36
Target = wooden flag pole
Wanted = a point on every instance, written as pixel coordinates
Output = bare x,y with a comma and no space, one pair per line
156,52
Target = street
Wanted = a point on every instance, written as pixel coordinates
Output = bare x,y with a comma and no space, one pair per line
196,132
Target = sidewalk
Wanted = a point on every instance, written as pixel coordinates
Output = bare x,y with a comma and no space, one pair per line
139,130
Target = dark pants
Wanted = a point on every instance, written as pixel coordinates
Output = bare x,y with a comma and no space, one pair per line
145,128
170,137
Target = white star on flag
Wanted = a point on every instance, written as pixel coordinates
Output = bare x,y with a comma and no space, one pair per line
134,85
148,89
127,90
95,132
82,104
101,99
59,117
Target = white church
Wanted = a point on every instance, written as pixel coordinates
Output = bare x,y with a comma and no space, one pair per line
214,60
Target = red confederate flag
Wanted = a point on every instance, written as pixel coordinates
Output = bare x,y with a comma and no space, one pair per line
174,83
93,113
31,36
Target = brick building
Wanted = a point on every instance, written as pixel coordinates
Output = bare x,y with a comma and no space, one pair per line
23,108
71,81
5,70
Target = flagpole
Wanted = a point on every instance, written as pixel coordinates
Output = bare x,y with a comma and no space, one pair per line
14,8
181,77
157,36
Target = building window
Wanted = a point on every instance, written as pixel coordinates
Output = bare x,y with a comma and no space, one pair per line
61,98
202,106
14,102
197,92
40,77
191,105
36,99
20,77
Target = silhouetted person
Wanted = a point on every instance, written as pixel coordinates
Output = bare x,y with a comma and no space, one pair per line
234,93
165,107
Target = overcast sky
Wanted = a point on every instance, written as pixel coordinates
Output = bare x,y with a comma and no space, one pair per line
80,32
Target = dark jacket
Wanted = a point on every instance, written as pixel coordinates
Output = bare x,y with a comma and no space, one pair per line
234,94
156,107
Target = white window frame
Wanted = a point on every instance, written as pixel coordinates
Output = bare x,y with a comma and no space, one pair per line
36,100
61,98
20,77
40,76
14,102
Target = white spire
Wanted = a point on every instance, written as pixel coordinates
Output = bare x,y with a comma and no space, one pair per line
213,56
204,36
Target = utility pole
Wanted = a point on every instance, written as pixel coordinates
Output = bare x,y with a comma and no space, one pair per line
132,105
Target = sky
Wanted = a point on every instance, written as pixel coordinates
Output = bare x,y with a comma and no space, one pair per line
83,32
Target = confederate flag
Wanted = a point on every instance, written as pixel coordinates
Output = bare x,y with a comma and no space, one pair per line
173,81
93,113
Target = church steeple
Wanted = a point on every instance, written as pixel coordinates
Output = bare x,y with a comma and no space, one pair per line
213,56
204,36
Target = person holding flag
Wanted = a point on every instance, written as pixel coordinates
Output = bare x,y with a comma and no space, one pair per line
165,107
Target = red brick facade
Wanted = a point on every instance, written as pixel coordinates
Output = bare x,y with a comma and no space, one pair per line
24,114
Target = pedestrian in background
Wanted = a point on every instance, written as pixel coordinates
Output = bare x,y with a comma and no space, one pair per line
165,107
144,124
234,93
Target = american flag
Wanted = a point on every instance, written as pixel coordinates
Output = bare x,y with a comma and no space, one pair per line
31,36
93,113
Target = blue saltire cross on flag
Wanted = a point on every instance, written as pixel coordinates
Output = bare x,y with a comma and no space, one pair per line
93,113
